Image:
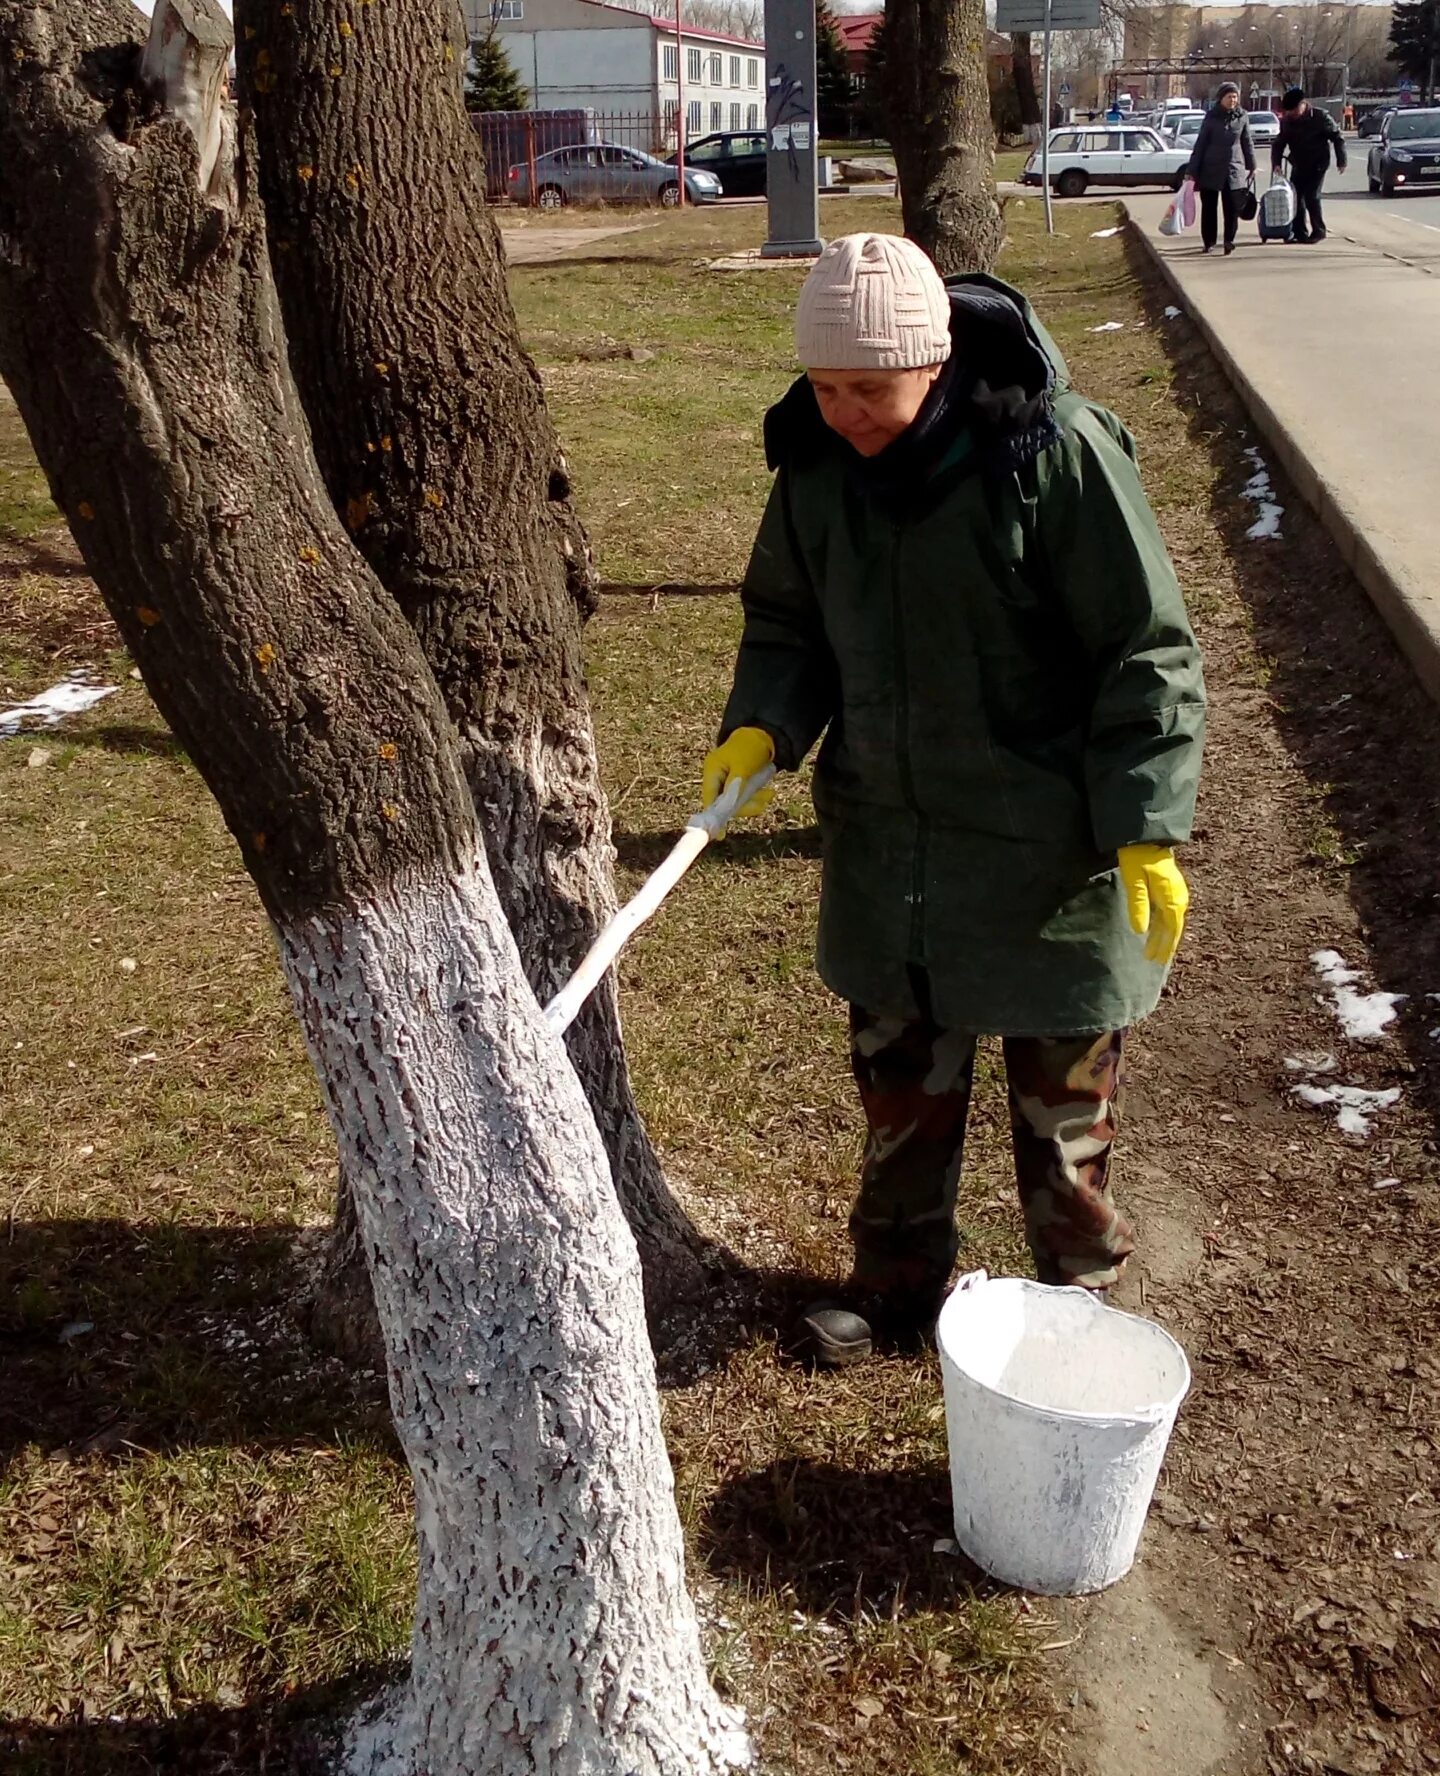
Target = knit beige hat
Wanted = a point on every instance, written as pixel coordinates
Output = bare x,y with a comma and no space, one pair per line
872,302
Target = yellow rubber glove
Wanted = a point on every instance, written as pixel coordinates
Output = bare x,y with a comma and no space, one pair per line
747,751
1157,897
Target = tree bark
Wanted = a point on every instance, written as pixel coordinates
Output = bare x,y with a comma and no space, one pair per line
140,335
429,424
1022,64
938,103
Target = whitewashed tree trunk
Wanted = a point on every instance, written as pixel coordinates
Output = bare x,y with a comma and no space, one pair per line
140,336
553,1632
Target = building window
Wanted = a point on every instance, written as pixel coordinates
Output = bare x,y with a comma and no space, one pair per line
717,116
671,124
692,66
502,10
752,117
734,117
752,72
734,70
692,118
670,62
717,70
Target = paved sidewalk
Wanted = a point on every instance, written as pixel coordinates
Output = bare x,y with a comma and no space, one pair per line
1335,350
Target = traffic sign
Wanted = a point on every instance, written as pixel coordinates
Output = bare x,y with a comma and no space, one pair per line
1065,89
1029,15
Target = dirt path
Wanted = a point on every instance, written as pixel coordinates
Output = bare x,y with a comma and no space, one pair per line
1286,1615
529,243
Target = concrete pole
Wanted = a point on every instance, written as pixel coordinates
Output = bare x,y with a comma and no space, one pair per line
791,131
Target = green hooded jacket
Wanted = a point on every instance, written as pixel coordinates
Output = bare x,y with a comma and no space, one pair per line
985,625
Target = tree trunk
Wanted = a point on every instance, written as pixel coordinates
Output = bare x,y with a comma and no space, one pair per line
429,424
938,102
1023,67
140,335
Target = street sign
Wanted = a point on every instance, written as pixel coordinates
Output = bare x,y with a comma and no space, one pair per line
1065,89
1029,15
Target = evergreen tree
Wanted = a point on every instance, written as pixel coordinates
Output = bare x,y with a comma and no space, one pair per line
832,74
1415,42
491,83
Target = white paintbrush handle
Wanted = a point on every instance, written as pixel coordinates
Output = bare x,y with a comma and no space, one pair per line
563,1009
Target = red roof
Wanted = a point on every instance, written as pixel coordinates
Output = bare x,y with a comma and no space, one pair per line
856,29
667,25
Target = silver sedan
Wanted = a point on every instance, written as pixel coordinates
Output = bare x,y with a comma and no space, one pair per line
603,172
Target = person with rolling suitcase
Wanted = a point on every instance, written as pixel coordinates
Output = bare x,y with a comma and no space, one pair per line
1222,164
1308,135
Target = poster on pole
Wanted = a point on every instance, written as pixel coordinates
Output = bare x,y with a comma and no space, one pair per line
1029,15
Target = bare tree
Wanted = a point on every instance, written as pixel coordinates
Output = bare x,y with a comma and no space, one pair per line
937,105
141,336
431,432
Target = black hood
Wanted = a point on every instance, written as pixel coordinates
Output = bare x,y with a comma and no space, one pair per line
999,382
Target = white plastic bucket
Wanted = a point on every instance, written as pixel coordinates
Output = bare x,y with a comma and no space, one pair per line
1058,1410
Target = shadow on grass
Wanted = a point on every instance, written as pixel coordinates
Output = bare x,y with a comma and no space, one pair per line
34,555
157,1335
129,738
646,851
292,1736
841,1540
1346,701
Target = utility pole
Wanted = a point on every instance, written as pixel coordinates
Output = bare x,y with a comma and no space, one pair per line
679,108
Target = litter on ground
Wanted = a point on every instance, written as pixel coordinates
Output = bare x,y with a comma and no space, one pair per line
1107,327
1104,233
1172,313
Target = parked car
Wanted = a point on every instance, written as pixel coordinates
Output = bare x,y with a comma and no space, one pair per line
736,159
1264,127
1374,121
1109,155
1408,152
1182,127
604,172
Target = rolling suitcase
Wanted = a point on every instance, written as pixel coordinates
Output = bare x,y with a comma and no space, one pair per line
1277,210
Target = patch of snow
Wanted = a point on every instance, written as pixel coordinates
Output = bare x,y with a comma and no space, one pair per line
70,697
1311,1063
1259,492
1104,233
1172,313
1107,327
1362,1016
1355,1107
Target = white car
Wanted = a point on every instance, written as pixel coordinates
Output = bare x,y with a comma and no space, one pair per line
1110,154
1182,127
1264,126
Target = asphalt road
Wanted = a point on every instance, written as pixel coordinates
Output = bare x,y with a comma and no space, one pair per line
1406,226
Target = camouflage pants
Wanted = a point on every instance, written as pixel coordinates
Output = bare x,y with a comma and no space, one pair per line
1065,1098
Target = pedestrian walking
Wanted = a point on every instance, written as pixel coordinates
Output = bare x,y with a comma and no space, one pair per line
1308,135
959,583
1222,164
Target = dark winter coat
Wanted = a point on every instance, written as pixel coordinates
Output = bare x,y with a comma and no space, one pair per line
1223,155
986,621
1308,138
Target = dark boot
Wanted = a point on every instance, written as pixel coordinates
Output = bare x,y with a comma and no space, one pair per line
849,1327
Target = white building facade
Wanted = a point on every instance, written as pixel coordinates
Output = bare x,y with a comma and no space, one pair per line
584,54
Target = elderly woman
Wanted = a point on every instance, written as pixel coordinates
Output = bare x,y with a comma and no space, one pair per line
1222,164
959,583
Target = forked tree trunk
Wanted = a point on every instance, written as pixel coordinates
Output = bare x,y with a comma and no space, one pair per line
430,428
1022,65
938,103
140,335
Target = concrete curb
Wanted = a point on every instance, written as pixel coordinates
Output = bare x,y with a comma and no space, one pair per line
1419,640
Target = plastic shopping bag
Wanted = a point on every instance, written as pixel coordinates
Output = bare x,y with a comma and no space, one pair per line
1173,221
1187,203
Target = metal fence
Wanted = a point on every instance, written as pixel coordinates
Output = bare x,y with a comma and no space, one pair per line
516,138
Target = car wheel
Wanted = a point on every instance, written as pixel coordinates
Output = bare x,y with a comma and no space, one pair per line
551,198
1071,183
1374,187
670,195
1387,188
